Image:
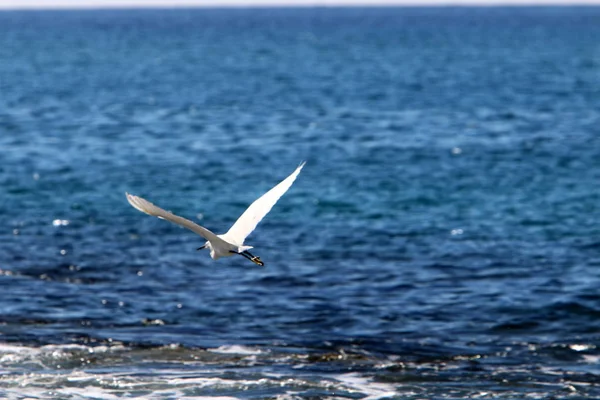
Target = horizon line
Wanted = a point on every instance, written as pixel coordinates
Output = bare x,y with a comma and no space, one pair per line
161,4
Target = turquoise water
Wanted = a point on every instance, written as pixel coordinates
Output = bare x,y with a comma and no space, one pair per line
441,242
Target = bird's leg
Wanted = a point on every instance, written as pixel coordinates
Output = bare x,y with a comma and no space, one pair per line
256,260
241,254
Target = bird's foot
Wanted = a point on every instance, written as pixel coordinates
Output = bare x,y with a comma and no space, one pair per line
257,261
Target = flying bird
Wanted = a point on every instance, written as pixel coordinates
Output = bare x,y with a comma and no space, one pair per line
232,242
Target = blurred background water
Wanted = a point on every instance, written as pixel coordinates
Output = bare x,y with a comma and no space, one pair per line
442,241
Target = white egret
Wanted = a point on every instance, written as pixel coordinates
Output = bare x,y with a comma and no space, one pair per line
232,242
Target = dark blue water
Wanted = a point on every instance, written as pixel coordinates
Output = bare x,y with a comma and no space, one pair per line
443,240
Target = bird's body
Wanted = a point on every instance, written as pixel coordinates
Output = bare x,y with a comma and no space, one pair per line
232,242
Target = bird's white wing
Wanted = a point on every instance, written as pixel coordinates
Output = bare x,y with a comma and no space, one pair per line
257,210
150,209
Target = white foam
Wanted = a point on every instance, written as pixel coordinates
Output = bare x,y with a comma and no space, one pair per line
591,359
17,356
28,370
581,347
235,349
86,393
365,385
174,383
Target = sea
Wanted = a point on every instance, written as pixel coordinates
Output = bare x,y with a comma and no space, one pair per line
442,241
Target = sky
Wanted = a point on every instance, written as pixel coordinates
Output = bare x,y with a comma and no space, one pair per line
17,4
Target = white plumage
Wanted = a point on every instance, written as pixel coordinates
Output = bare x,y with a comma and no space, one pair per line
231,242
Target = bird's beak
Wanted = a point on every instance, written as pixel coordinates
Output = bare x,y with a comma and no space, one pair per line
201,248
257,261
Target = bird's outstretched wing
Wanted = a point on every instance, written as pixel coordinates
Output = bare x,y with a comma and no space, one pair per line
150,209
257,210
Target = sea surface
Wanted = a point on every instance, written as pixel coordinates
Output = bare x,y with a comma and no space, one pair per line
442,241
